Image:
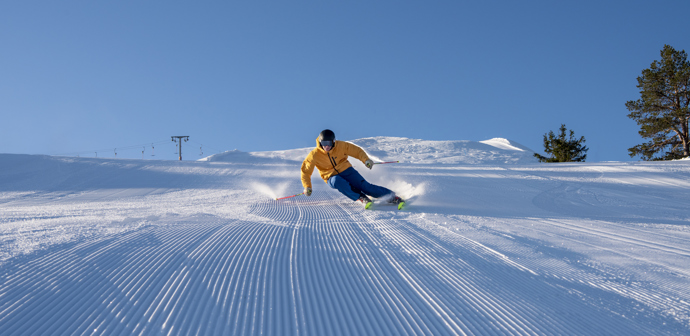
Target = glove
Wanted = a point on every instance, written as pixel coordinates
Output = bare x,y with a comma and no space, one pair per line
369,164
307,191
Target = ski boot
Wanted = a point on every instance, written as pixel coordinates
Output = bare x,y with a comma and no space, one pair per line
365,200
397,201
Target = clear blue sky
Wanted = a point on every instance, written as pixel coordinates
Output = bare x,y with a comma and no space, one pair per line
86,76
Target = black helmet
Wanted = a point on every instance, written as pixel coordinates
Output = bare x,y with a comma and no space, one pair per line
327,138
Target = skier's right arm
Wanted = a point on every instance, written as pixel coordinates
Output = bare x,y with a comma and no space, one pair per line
307,170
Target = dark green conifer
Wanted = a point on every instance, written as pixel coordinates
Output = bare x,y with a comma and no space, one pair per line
662,110
562,148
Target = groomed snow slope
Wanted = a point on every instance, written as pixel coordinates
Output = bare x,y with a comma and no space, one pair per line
104,246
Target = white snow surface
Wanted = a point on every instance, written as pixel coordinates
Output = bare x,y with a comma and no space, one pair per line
493,151
490,243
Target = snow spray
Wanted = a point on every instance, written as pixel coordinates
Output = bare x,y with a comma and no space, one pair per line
268,191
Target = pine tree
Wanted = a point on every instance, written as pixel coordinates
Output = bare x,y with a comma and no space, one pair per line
563,149
662,111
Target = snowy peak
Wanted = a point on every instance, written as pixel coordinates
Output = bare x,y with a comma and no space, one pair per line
506,144
492,151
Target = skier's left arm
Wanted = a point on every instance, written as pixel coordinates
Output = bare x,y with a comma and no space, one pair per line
359,153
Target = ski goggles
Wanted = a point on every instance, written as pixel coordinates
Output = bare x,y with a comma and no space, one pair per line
327,143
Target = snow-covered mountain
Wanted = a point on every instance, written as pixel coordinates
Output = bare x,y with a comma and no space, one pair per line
489,244
493,151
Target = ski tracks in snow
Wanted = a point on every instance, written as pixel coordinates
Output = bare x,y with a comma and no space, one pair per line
314,266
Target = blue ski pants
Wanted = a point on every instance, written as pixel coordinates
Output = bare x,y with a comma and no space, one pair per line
351,184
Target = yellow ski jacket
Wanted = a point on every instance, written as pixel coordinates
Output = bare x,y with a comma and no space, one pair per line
332,163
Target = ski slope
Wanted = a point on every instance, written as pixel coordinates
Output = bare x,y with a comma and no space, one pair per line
490,243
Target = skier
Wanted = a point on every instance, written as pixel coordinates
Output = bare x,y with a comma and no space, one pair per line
330,158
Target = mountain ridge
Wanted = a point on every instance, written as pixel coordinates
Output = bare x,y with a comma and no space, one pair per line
419,151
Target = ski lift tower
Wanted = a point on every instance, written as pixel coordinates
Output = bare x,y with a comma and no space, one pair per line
178,139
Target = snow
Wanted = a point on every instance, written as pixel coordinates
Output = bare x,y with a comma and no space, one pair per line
493,151
491,243
506,144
